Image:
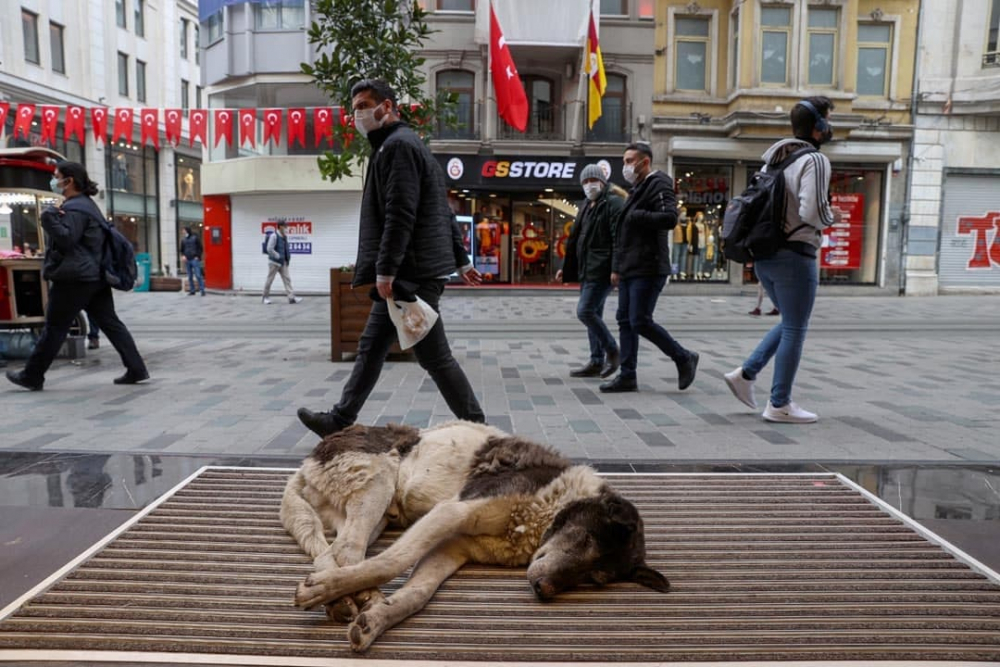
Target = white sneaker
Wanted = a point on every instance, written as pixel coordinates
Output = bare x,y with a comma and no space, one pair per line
741,387
297,299
788,414
266,301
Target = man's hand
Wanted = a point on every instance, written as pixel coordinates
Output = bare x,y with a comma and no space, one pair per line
559,276
384,287
838,214
614,279
472,277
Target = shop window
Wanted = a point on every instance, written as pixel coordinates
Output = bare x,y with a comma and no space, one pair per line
120,13
463,85
279,14
184,38
72,149
140,18
691,52
188,179
133,195
992,56
29,27
874,49
613,125
614,7
214,26
775,36
702,193
734,49
822,42
122,74
140,81
56,47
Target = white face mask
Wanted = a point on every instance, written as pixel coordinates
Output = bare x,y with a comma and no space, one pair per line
592,190
365,121
628,173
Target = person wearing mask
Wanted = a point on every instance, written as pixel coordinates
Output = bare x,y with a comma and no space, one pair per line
279,256
640,266
192,250
409,243
73,267
588,262
790,276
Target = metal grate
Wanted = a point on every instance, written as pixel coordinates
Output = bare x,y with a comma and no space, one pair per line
763,567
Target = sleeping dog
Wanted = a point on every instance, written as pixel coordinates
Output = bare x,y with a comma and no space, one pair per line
464,493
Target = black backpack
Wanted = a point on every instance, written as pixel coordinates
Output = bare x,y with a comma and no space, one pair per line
753,226
118,268
263,245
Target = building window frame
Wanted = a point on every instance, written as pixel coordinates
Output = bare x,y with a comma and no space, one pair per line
123,74
789,32
197,97
435,6
623,4
466,117
711,41
184,39
892,57
140,80
185,94
991,54
608,129
29,30
57,47
216,27
809,33
120,15
289,15
197,44
734,49
139,18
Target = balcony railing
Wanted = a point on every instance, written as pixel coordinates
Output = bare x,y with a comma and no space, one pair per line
991,59
613,126
545,122
466,114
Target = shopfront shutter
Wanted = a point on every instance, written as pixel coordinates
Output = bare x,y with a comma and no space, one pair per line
972,196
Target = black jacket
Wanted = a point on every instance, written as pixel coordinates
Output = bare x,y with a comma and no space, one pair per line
588,259
75,241
642,240
406,226
191,247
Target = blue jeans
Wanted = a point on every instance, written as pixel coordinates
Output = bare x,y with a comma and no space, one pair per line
590,311
636,303
194,271
790,281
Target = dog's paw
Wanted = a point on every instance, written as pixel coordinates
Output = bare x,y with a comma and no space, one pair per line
311,592
343,610
365,629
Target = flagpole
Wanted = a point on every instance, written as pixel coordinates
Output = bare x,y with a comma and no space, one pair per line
581,94
489,116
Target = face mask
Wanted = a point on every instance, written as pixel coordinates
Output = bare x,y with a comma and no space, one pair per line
592,190
54,185
365,121
628,173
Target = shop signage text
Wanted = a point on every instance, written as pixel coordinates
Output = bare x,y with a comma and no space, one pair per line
522,174
842,241
984,254
298,231
528,169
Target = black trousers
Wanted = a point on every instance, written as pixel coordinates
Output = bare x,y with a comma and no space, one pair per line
433,354
65,301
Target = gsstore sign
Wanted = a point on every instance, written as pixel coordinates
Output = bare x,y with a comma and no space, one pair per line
521,173
528,169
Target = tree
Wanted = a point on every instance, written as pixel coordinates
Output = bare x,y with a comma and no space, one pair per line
362,39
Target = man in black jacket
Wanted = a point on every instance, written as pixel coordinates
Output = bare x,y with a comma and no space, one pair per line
192,251
640,266
407,245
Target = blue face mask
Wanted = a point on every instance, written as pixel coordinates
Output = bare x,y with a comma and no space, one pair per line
54,185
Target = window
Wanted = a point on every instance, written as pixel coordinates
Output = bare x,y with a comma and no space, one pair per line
612,126
214,23
184,38
197,45
122,74
647,9
279,14
197,97
734,50
185,101
463,85
775,28
120,13
614,7
992,57
691,53
874,46
140,19
140,81
822,46
56,47
453,5
29,26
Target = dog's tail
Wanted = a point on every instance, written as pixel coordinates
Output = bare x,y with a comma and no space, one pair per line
300,519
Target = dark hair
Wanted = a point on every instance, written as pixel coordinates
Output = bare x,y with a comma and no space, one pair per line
78,173
378,88
804,120
188,230
642,147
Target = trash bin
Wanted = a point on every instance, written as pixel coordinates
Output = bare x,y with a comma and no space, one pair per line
143,264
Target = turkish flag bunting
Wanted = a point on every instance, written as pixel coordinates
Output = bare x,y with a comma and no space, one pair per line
323,125
25,114
248,126
224,126
50,120
198,126
345,120
4,110
272,125
74,124
297,126
151,127
512,103
99,120
172,122
123,124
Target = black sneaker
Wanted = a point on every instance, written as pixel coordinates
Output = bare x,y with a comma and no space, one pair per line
132,378
686,370
620,385
321,423
20,380
591,370
611,364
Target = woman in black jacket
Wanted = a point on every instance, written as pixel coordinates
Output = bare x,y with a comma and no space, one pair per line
75,239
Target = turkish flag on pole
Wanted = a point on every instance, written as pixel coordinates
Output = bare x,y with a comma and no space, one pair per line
345,120
123,124
4,110
151,127
297,126
323,125
272,125
99,119
74,125
172,118
50,120
25,114
512,103
198,126
248,126
223,126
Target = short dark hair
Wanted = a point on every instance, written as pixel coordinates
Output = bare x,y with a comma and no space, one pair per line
642,147
378,88
78,174
188,230
804,120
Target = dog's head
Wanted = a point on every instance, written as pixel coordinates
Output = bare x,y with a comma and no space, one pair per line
367,439
596,540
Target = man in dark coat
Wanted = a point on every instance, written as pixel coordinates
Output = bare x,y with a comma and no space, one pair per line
407,246
588,262
192,251
640,266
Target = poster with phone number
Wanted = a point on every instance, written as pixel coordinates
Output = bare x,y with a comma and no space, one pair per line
842,241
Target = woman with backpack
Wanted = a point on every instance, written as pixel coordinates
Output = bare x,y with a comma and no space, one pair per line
73,259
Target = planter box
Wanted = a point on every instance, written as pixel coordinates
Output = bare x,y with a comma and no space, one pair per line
165,284
349,310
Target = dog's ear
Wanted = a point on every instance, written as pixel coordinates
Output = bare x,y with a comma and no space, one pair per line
405,437
650,578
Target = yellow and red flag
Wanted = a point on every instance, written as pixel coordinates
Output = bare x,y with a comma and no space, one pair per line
595,72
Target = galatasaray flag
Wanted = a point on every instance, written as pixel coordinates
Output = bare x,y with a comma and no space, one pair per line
595,71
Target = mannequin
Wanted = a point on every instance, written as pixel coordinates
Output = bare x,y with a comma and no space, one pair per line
699,261
678,253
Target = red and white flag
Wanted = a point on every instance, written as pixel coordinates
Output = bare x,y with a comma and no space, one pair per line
172,125
248,127
99,120
512,103
74,124
50,121
4,110
150,124
198,126
297,126
25,114
123,125
223,126
323,125
272,125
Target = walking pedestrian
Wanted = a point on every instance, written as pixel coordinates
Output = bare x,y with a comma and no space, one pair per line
760,301
408,245
192,250
790,276
279,255
93,333
640,267
73,267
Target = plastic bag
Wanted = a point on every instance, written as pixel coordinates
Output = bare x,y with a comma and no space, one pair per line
413,320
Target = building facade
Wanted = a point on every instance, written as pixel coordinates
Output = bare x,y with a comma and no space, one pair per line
954,231
125,53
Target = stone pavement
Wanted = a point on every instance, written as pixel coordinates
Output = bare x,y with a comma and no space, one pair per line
893,379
